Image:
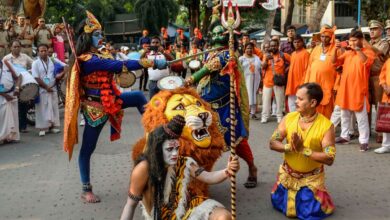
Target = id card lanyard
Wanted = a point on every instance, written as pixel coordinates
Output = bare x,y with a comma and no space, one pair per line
46,79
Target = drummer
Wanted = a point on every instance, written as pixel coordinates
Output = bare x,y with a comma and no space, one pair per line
9,89
156,52
24,61
194,50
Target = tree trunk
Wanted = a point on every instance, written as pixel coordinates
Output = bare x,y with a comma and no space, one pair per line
315,18
290,11
206,20
194,12
269,26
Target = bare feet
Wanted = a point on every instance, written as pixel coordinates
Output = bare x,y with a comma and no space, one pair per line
89,197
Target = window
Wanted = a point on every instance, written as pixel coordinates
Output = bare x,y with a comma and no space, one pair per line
302,15
343,9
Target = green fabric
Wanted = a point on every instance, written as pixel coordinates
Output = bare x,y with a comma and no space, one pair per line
198,75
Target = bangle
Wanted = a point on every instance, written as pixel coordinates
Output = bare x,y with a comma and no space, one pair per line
227,173
287,148
307,152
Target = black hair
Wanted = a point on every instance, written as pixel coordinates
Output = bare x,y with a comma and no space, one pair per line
155,37
249,44
245,35
314,91
84,40
42,45
291,27
299,37
274,40
356,33
16,40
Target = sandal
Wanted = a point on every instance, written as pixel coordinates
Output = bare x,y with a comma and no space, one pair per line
251,182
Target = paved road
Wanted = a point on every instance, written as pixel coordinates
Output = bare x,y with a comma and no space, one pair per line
38,182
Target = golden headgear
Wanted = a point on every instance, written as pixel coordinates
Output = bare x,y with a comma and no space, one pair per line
91,23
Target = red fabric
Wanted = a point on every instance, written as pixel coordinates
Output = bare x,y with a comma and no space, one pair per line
232,69
244,151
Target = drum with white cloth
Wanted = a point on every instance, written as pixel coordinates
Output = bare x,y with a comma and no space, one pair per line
170,83
194,65
29,88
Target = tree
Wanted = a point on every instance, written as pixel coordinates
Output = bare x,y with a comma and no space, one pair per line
290,11
193,7
154,14
269,25
374,10
315,18
73,10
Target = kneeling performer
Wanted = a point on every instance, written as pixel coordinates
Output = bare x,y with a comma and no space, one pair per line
300,187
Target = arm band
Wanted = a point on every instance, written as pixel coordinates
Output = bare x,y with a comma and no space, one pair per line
330,151
134,197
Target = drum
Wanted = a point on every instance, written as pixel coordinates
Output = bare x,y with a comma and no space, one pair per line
170,83
194,65
29,88
177,67
125,79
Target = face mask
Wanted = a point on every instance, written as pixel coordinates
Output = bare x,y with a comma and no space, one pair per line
97,38
218,38
170,151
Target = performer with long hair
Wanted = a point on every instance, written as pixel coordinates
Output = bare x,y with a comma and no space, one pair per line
92,87
160,180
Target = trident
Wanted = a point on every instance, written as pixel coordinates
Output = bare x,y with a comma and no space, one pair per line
231,24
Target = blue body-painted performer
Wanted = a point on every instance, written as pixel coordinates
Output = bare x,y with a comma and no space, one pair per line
214,87
91,86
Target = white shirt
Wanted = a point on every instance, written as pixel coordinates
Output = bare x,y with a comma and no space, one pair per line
6,79
156,74
23,60
44,71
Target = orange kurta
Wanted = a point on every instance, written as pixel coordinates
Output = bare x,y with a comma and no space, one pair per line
353,90
268,77
296,73
384,78
322,71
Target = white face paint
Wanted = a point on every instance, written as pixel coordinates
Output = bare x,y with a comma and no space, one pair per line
171,151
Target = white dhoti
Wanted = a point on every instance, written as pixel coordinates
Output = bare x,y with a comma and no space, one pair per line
46,111
9,126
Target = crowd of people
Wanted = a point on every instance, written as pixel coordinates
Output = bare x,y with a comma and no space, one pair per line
309,90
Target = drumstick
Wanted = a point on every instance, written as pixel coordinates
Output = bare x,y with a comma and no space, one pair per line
194,55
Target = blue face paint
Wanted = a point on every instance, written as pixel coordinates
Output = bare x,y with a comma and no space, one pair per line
97,38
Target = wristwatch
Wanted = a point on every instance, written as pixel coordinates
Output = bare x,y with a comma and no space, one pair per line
307,152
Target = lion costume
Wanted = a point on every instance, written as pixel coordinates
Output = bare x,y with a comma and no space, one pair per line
204,144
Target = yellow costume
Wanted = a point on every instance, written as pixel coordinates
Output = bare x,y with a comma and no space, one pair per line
300,188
